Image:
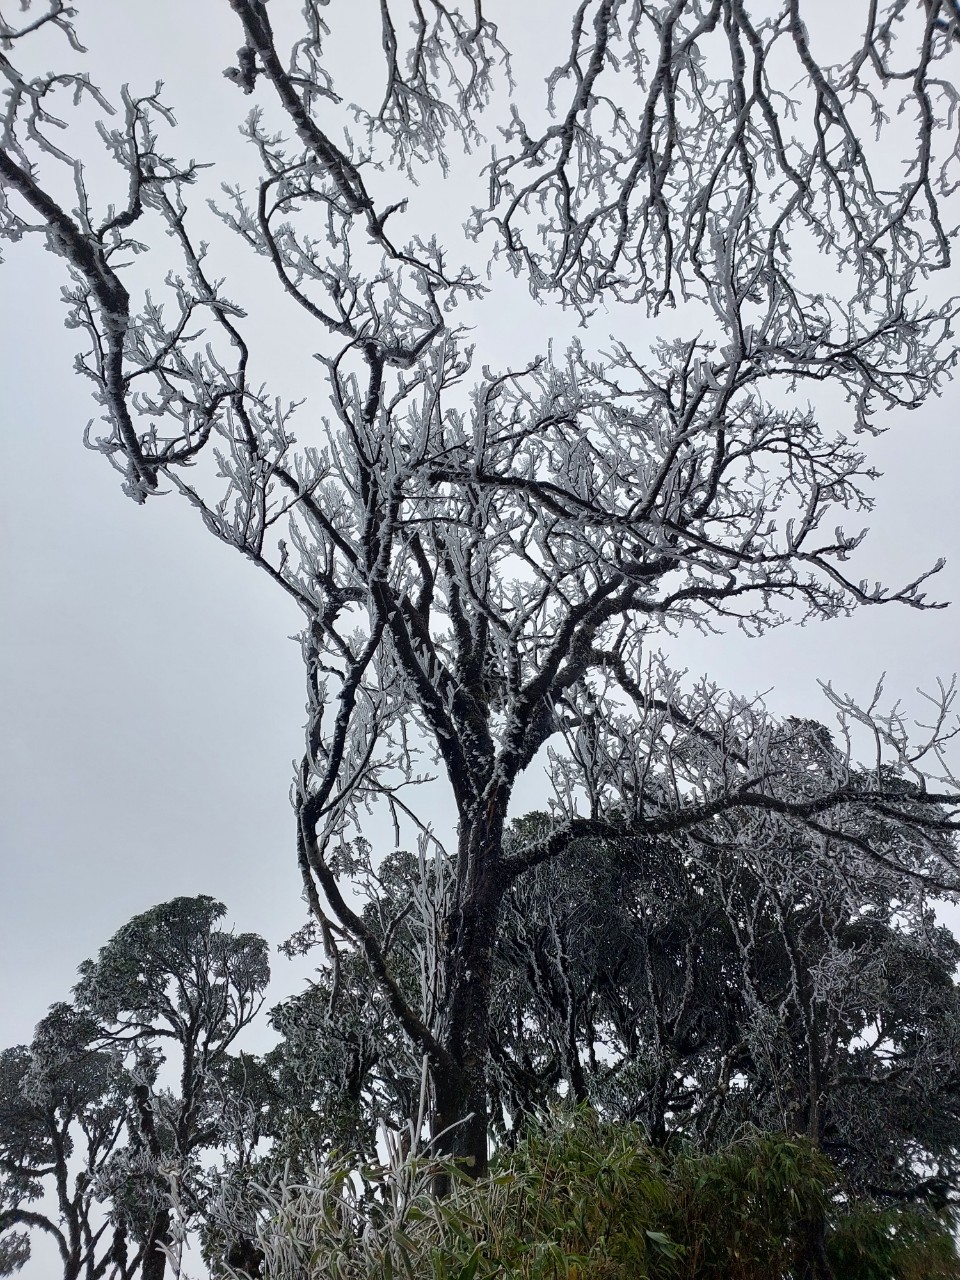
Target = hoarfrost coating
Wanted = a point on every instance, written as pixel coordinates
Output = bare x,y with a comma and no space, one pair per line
489,559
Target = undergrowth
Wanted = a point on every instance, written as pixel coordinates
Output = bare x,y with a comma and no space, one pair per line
583,1199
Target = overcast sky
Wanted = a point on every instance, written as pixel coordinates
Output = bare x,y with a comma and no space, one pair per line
152,702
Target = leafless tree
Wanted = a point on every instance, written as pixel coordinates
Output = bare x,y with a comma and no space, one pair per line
485,565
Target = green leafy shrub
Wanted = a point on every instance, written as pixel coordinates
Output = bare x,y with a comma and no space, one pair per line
750,1210
580,1198
873,1243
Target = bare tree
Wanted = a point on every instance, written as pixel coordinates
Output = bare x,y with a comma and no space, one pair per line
485,568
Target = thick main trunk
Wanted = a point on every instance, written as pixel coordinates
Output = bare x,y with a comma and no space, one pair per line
815,1263
460,1118
154,1258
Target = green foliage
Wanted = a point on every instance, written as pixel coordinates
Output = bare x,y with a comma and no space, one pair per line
874,1243
575,1198
751,1209
583,1199
171,968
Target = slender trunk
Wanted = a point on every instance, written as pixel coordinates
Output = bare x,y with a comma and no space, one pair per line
657,1103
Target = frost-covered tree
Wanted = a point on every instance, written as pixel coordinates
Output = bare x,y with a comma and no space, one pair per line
113,1113
344,1067
172,992
64,1104
487,560
748,971
747,974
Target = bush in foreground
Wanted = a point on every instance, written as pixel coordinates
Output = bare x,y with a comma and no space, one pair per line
582,1199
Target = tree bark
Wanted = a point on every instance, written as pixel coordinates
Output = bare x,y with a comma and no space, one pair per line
816,1264
460,1116
154,1259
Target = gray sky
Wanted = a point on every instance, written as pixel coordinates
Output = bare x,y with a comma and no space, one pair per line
151,701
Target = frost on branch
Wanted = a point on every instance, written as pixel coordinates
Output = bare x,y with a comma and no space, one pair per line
489,561
669,121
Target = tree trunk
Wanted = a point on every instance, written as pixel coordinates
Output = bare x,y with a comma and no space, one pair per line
154,1259
460,1118
816,1264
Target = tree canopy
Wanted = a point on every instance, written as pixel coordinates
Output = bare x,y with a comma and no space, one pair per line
761,1050
107,1115
693,987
